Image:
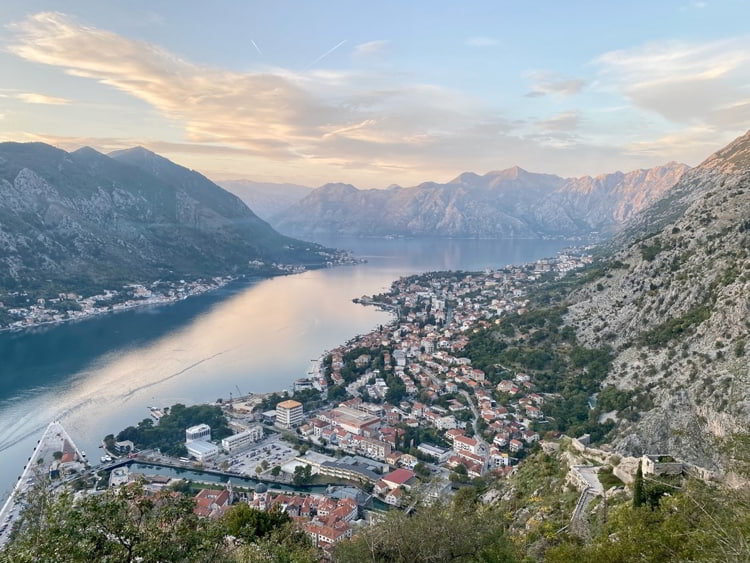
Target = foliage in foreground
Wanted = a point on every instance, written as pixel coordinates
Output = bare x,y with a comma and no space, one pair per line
462,532
129,526
693,522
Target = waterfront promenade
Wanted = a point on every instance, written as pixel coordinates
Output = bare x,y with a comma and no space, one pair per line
55,442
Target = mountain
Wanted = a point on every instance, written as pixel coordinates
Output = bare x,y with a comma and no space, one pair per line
266,199
672,298
502,204
79,219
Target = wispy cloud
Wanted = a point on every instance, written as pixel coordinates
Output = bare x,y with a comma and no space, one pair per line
688,83
565,121
336,124
371,48
482,41
256,47
550,83
34,98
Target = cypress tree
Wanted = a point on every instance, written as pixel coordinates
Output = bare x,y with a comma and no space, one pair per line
638,488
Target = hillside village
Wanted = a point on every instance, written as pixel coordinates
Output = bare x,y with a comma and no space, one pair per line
422,399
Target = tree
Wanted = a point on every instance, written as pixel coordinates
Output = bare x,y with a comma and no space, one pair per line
442,533
130,526
302,475
422,470
638,493
125,525
276,470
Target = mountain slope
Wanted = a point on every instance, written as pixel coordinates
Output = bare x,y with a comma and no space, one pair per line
266,199
503,204
83,219
677,312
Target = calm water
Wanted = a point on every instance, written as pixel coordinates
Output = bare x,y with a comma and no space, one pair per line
100,375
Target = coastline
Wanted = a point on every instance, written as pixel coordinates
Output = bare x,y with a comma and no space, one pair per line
127,306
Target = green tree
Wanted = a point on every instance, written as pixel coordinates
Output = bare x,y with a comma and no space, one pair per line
638,492
125,525
442,533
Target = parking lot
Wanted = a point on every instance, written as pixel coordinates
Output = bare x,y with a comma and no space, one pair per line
273,450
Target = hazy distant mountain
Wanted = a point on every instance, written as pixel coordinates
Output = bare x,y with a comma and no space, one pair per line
266,199
509,203
84,218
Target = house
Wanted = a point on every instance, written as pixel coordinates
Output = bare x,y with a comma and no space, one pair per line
325,536
399,478
515,446
533,412
509,387
530,436
450,435
381,487
498,458
462,444
393,458
394,497
408,460
210,503
446,422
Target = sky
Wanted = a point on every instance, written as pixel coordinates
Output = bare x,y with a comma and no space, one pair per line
379,93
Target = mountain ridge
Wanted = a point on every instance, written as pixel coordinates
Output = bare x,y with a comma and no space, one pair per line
499,204
81,218
670,297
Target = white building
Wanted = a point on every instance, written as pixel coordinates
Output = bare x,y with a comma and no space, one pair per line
202,451
198,432
438,453
289,413
446,422
242,440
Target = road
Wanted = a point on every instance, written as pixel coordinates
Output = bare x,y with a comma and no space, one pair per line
483,445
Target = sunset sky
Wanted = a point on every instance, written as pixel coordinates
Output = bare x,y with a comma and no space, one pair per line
376,93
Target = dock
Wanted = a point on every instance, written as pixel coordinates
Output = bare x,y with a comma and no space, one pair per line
55,439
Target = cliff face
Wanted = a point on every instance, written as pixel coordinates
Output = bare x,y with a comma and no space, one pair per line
510,203
86,218
677,312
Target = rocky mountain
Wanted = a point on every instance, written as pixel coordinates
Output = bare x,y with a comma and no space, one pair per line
510,203
83,219
672,299
266,199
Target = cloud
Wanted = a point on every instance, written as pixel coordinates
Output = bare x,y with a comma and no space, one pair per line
549,83
371,48
685,83
565,121
373,128
34,98
482,41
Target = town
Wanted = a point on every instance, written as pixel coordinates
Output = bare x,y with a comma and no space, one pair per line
22,310
391,418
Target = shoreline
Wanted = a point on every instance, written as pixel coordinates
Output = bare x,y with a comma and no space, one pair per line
143,303
215,283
